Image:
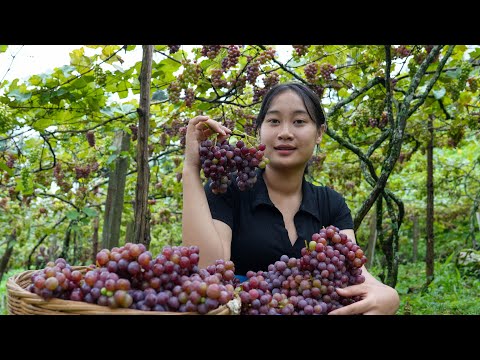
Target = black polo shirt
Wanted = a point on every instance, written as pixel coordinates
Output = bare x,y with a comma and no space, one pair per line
259,236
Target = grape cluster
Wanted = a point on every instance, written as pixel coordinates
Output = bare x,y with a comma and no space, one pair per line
59,177
217,80
211,51
473,84
402,51
174,48
318,89
4,203
428,48
383,120
129,277
222,160
267,55
11,160
310,71
233,53
326,70
134,129
191,72
189,97
82,171
174,91
253,71
100,76
258,93
300,50
271,79
238,83
306,286
90,138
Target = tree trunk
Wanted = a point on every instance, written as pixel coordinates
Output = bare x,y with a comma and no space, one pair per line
142,215
66,243
75,247
430,235
95,240
130,232
371,240
8,253
415,237
115,194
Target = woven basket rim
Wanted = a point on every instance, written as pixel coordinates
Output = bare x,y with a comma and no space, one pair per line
20,301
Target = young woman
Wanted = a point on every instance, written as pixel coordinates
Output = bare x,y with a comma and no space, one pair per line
253,228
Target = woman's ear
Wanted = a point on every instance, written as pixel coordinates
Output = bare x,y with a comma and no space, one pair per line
320,132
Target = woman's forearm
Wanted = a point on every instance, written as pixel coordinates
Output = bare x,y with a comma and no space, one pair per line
197,223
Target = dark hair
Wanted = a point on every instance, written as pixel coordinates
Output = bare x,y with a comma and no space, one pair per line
310,100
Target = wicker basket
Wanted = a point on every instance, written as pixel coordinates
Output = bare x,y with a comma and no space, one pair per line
20,301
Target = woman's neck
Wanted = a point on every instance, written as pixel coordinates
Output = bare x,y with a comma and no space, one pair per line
281,182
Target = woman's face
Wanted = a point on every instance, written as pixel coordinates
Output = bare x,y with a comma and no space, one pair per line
288,132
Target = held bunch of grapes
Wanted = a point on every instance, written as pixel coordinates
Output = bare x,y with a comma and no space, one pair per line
306,286
221,161
129,277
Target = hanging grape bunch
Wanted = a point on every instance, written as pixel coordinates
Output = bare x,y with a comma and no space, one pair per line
306,286
223,161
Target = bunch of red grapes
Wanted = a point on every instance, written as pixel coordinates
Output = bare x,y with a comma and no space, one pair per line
306,286
223,161
129,277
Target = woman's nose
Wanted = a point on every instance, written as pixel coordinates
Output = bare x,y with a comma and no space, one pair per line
285,132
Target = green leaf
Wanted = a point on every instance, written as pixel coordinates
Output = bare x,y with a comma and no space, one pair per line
35,80
4,167
438,94
204,106
343,93
109,50
159,95
42,124
79,83
3,48
169,65
21,97
454,74
111,158
72,215
89,212
475,54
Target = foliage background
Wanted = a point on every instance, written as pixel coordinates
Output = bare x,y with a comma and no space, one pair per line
54,183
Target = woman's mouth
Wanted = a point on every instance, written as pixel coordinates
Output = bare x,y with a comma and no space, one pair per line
284,149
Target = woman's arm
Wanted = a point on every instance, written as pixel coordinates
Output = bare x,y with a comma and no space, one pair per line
377,298
213,237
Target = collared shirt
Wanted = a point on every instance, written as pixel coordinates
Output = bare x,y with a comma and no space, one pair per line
259,236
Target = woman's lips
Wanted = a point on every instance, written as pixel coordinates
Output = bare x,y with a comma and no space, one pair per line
284,150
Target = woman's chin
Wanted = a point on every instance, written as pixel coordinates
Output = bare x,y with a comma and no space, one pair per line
286,165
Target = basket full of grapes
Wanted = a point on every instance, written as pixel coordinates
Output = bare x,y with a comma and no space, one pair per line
128,280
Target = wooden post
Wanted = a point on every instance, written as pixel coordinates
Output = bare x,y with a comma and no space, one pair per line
142,214
115,193
372,240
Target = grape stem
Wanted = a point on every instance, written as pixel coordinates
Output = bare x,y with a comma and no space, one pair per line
248,138
238,134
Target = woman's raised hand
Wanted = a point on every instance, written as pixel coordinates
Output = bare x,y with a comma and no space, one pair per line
199,129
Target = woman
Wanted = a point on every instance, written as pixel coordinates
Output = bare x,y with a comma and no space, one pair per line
254,228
